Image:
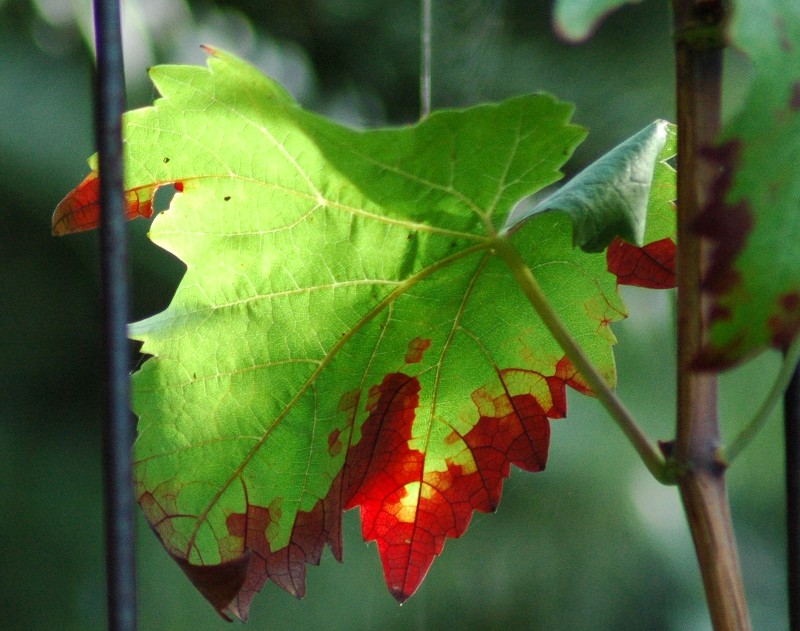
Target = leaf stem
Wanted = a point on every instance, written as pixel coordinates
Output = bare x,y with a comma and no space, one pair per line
750,431
647,450
425,59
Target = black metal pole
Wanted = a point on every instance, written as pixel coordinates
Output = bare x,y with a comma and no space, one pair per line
791,428
117,422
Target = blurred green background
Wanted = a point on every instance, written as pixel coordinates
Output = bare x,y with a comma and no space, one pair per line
592,543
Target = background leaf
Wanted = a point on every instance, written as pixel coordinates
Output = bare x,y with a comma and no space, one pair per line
753,214
576,20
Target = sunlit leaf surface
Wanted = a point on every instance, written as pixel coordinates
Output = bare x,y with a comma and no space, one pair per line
345,335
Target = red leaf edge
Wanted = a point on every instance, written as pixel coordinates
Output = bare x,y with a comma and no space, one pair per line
513,428
80,209
411,512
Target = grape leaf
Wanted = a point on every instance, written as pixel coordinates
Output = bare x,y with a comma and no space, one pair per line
576,20
345,334
753,213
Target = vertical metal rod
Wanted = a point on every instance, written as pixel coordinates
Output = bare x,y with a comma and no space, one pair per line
117,422
425,59
791,427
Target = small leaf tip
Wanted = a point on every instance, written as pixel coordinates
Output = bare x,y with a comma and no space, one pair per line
80,209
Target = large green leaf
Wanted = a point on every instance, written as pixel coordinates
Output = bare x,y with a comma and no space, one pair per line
753,214
345,334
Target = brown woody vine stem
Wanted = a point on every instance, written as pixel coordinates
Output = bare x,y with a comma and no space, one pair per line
698,50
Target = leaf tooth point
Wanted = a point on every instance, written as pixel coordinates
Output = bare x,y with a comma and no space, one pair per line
399,595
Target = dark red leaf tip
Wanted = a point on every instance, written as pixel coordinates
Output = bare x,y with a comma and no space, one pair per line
220,583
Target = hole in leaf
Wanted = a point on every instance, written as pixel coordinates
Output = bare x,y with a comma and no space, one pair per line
163,198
